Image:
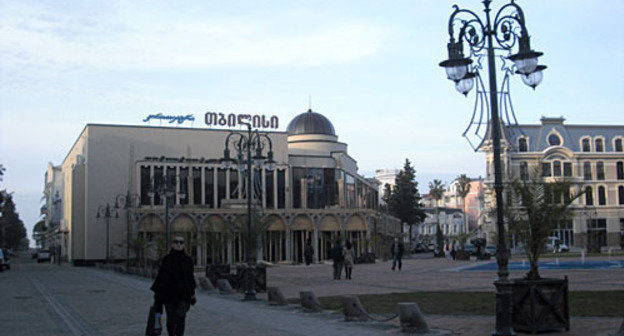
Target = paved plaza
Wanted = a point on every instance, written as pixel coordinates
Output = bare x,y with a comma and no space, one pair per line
46,299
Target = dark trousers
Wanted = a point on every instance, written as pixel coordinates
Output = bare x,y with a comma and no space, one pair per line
337,269
176,316
396,259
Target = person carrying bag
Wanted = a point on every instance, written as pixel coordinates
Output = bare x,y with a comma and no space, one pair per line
174,287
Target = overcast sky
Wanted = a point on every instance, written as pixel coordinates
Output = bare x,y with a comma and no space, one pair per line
371,67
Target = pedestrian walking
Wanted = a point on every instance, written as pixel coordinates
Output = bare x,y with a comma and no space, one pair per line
447,251
349,257
454,249
397,250
308,253
174,287
338,259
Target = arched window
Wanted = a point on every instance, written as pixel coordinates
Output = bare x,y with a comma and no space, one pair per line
587,174
554,140
523,145
620,170
586,145
599,145
589,196
600,175
556,168
621,194
524,171
602,196
618,145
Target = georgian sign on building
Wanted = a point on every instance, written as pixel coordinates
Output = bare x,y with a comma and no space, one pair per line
170,118
233,120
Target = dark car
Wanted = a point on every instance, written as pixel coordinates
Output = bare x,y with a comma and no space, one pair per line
5,263
420,248
471,249
491,249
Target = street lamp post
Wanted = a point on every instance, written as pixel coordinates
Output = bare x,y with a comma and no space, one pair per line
127,202
507,32
165,188
106,211
244,144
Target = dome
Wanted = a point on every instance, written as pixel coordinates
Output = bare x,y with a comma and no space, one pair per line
310,123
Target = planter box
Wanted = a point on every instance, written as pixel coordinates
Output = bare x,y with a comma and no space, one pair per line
218,271
259,271
540,305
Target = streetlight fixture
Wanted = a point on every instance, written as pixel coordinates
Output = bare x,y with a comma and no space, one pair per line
165,187
106,211
507,31
244,144
127,202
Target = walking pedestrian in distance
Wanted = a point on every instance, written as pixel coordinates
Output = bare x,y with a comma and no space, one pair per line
338,259
174,287
349,257
308,253
397,250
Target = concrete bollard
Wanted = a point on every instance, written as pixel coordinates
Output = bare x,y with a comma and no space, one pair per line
353,309
205,284
309,302
276,297
412,319
224,286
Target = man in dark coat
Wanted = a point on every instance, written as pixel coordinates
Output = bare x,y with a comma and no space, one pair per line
338,258
174,287
397,250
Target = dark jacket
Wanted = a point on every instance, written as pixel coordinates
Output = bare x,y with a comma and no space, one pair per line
175,280
337,253
401,250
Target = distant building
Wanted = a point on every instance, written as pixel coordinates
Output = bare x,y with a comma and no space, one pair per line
385,176
314,193
591,157
451,222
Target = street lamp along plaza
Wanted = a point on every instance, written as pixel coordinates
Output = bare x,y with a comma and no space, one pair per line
106,211
164,186
244,144
507,32
127,202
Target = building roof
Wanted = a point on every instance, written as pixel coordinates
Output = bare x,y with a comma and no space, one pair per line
310,123
570,135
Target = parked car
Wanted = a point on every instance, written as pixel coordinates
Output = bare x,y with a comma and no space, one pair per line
420,248
2,261
43,256
555,245
471,249
491,249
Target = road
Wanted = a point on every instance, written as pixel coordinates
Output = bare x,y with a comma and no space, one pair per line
47,299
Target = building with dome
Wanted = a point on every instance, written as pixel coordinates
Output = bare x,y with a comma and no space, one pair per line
314,194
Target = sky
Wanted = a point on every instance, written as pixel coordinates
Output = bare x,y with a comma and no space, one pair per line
371,67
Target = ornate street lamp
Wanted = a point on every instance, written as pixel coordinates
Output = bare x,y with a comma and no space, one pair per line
106,211
165,187
506,33
127,202
244,144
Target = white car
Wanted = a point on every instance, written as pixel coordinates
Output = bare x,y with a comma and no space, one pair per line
555,245
43,256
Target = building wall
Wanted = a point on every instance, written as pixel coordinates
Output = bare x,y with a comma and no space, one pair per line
554,143
106,160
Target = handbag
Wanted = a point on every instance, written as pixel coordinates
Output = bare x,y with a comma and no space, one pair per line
154,322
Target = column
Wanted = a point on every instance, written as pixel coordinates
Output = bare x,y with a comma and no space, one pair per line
315,243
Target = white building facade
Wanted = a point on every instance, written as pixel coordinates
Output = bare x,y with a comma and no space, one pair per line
314,194
591,157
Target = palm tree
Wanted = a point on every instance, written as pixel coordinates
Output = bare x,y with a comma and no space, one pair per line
538,206
436,191
463,188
